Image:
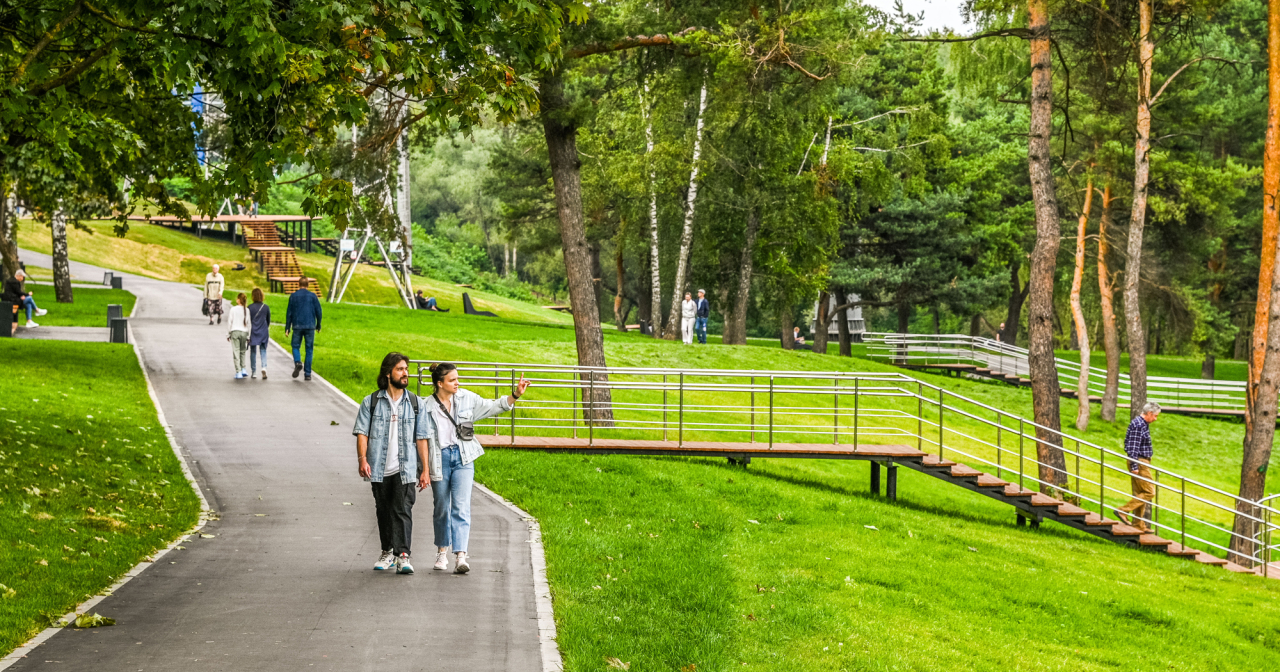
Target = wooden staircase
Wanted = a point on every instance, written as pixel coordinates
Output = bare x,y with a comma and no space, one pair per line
1035,506
278,261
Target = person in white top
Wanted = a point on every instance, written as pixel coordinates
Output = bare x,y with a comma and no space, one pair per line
238,334
688,316
214,286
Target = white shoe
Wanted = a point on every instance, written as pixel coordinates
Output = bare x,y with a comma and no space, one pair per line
41,312
31,325
402,565
460,565
386,561
442,561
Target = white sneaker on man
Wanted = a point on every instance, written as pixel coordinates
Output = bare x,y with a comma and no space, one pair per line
41,312
402,564
442,561
460,565
386,561
31,325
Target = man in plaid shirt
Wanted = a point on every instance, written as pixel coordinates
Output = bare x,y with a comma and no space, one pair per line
1137,445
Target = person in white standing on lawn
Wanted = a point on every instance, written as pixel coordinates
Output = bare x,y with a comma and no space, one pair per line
451,414
688,317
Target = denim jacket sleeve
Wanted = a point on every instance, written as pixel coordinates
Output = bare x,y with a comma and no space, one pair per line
363,417
487,408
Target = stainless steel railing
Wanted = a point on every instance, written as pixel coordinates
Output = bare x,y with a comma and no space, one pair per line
1210,396
773,407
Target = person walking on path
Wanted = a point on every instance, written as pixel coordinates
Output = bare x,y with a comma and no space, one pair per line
238,334
302,317
451,415
391,447
214,286
1137,445
704,312
688,315
259,333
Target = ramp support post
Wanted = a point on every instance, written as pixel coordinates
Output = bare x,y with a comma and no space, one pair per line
875,478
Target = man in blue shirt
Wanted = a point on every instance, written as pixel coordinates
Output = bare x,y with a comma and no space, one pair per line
704,311
302,317
1137,445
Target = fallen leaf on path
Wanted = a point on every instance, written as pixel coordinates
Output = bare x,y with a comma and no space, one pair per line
207,536
346,503
616,664
93,621
333,422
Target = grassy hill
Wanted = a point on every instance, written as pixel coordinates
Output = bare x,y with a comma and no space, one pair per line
168,254
682,564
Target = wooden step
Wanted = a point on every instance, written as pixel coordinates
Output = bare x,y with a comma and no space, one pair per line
1122,530
1178,550
933,461
1012,491
1071,510
965,471
1094,520
1038,499
1206,559
989,481
1152,540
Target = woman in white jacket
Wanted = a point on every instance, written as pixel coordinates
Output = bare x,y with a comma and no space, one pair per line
688,317
238,334
451,413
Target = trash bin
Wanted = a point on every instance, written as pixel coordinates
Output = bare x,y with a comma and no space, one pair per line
114,311
119,330
6,319
106,278
117,283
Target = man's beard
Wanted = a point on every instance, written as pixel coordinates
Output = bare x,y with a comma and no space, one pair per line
400,384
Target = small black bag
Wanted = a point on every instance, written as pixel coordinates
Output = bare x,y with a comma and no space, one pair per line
204,307
466,430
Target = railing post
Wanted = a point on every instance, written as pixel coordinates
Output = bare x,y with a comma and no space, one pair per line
941,403
1022,435
495,396
1077,466
513,410
855,413
999,448
835,412
753,409
680,427
664,407
1155,504
591,406
1184,511
573,408
771,411
1266,544
1102,487
920,417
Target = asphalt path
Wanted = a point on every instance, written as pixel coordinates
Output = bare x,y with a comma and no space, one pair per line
287,580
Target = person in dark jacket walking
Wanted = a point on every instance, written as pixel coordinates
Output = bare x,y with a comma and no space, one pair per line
259,333
302,317
704,312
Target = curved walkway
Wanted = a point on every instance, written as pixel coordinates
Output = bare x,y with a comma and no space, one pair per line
286,582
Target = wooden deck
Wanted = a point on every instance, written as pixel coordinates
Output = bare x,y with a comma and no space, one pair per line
733,449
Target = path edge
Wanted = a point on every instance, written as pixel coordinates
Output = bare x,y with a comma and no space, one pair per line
550,648
44,635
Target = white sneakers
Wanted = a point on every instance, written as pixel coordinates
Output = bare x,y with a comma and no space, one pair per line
460,565
402,564
31,325
385,561
442,561
41,312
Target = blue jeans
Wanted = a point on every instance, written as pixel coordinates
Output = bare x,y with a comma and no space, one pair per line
700,328
253,357
452,496
29,304
298,336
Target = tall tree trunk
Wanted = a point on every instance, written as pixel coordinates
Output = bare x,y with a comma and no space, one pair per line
562,150
1110,336
1044,256
975,324
8,235
1264,379
620,316
686,236
904,317
597,272
821,323
1017,295
655,277
61,265
842,323
788,320
1137,220
1077,311
735,328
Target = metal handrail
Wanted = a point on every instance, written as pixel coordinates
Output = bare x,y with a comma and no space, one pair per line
719,404
1209,395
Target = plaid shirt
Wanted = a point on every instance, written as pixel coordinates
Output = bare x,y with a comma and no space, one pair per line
1137,441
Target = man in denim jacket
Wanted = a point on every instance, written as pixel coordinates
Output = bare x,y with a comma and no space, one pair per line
391,445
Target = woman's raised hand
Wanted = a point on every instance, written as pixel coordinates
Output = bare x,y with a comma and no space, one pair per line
521,386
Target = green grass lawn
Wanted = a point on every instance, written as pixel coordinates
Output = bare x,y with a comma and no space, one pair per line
90,485
88,310
168,254
669,563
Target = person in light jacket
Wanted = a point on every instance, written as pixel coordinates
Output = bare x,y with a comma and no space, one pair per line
688,317
214,285
451,414
238,334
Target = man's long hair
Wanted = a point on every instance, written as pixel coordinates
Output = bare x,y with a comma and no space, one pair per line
389,363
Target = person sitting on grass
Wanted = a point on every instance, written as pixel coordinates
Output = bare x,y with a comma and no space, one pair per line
427,303
15,293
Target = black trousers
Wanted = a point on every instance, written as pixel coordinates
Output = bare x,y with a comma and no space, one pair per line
393,502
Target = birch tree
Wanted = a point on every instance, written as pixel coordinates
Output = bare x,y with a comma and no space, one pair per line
1077,310
686,234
